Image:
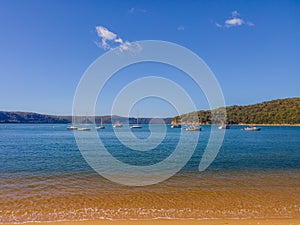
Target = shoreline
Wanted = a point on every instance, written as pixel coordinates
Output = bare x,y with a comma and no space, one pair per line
267,125
240,124
265,221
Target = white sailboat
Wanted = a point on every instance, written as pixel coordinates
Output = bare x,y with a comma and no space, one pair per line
84,128
72,127
137,126
101,126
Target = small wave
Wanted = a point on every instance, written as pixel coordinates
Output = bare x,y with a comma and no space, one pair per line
21,216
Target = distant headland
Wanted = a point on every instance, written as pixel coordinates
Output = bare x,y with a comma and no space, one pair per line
31,117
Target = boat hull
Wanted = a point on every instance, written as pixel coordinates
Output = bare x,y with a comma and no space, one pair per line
251,128
135,127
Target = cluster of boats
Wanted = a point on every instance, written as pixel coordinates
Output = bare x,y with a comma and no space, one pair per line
197,127
193,127
222,126
118,124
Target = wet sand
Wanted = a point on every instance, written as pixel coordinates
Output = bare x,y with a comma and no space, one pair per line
209,196
180,222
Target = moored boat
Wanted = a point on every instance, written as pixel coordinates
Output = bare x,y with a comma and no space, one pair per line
117,124
135,127
101,126
72,128
83,129
251,128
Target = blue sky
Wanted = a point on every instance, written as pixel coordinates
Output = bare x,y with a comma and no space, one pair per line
253,48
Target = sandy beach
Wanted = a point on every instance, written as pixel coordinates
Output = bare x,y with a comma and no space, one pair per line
179,222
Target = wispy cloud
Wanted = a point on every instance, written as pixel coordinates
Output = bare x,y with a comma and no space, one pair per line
110,40
180,28
218,25
234,21
134,10
250,24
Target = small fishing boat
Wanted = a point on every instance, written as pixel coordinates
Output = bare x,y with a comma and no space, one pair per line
117,124
176,126
251,128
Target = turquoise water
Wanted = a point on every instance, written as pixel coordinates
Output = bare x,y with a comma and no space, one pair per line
52,149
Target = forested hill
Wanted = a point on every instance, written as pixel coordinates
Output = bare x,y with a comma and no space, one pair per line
30,117
280,111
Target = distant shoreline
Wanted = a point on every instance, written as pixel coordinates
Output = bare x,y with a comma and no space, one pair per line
280,112
241,124
268,125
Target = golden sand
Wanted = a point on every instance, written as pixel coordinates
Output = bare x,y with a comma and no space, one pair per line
254,195
180,222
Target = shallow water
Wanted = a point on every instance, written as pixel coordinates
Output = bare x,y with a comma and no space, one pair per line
43,176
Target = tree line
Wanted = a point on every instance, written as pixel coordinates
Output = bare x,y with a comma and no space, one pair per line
280,111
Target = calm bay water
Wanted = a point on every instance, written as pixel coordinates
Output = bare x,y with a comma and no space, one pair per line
43,176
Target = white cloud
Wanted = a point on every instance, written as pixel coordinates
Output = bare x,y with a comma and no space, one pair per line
234,21
181,28
105,35
119,40
109,38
